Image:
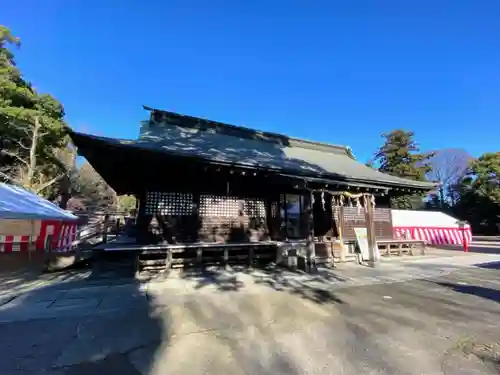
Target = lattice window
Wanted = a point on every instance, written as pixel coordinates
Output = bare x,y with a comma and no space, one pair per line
254,208
211,205
222,206
169,204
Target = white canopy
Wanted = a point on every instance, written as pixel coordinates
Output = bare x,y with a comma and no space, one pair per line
428,219
18,203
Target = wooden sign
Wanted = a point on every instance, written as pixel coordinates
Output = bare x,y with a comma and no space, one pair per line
362,239
9,227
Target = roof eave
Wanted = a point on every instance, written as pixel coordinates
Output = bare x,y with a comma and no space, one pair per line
334,179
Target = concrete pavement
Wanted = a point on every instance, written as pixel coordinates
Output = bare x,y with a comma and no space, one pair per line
417,327
264,323
78,293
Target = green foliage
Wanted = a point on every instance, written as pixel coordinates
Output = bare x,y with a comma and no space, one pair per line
34,150
126,203
29,121
483,178
479,194
400,156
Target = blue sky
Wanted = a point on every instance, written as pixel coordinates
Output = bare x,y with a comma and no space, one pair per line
341,72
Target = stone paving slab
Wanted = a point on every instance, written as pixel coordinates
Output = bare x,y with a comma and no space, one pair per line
123,302
245,325
66,298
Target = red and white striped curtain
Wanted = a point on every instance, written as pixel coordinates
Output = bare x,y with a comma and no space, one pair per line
63,235
435,236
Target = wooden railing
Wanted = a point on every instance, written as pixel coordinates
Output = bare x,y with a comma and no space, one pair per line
96,227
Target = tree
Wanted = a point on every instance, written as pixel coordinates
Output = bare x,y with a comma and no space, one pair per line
31,127
400,156
479,192
483,176
93,192
63,191
448,167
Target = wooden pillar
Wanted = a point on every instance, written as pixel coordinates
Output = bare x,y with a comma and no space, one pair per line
311,251
196,219
226,257
343,249
199,257
105,227
370,228
47,253
142,219
285,235
250,256
273,216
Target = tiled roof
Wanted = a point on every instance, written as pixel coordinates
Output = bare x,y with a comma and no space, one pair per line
220,143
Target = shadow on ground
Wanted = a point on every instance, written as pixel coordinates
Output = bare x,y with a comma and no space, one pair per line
279,279
479,291
489,265
83,322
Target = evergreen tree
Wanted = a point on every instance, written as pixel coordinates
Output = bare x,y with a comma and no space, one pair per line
31,127
400,156
479,194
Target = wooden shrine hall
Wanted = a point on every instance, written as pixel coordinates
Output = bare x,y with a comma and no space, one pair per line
205,187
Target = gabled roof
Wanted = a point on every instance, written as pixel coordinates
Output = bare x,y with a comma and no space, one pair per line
18,203
216,142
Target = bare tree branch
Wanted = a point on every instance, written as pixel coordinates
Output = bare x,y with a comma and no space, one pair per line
7,177
21,144
48,183
448,167
15,156
24,127
18,142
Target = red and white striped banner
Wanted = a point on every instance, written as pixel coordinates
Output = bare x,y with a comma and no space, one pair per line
435,235
16,243
63,234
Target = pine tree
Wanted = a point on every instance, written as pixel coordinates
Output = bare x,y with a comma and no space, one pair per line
400,156
479,194
31,126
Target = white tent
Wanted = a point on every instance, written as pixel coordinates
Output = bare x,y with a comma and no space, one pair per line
433,226
411,218
17,204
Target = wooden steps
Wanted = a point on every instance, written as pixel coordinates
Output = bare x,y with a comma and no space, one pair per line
155,260
400,247
192,256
